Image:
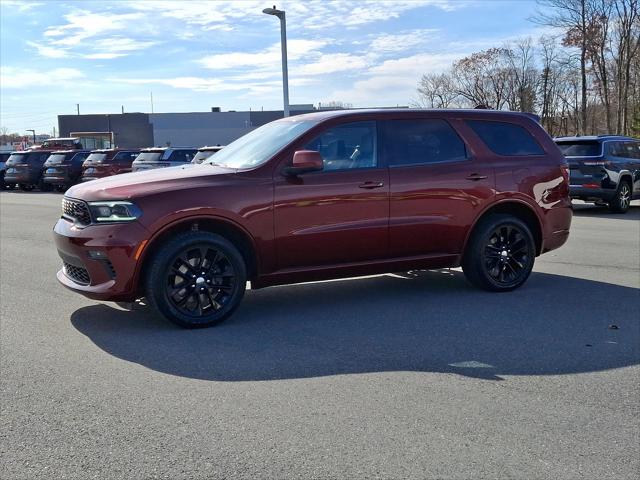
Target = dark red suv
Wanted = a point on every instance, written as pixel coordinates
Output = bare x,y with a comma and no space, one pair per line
107,162
319,196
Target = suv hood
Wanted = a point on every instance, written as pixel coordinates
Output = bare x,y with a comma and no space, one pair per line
128,186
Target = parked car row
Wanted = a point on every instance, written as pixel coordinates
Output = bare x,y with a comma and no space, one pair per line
604,169
61,163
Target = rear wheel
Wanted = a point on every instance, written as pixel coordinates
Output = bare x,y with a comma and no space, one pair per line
500,253
197,279
621,202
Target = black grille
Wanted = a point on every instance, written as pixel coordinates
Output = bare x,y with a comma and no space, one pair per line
77,274
109,267
76,211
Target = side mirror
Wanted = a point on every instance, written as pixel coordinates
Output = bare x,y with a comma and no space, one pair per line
304,161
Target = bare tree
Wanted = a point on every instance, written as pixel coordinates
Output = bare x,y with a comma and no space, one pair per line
437,90
574,16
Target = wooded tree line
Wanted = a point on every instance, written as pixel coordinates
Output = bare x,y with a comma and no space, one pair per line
586,80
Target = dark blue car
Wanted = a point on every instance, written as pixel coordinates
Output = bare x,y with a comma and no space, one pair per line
604,169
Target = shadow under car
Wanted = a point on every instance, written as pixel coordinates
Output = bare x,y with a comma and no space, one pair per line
426,321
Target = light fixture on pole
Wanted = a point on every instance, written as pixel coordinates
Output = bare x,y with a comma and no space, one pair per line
283,40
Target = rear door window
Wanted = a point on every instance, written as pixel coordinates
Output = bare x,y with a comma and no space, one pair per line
421,141
506,139
624,149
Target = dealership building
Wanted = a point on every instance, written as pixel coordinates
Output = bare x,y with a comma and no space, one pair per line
196,129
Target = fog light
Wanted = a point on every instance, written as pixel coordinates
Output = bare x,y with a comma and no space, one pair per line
97,255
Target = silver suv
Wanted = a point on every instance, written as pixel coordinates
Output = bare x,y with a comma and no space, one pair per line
160,157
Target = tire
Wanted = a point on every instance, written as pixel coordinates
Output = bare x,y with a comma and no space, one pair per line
500,253
212,263
43,186
622,200
26,187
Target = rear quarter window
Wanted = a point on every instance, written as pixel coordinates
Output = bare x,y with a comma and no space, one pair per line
507,139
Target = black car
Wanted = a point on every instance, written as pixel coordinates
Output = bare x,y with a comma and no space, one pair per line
25,169
64,167
3,166
604,169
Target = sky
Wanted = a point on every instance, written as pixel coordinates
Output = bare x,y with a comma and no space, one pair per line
194,55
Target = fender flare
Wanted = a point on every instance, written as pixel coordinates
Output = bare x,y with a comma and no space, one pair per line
497,203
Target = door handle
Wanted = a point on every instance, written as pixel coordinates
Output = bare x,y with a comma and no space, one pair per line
476,176
370,185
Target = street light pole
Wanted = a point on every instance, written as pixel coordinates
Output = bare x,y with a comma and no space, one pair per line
34,135
283,43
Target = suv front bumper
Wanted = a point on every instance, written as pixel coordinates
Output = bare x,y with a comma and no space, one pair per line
99,260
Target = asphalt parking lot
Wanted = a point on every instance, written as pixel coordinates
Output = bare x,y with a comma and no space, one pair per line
396,376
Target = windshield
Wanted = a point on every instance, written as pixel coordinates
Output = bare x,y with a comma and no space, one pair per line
57,158
580,149
149,157
96,157
260,145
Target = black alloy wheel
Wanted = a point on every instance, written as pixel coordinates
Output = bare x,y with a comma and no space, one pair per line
197,279
201,280
622,201
506,255
500,254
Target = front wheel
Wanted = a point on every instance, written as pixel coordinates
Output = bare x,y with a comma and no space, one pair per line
500,254
622,201
197,279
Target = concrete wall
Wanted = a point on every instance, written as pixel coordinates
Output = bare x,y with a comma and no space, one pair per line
199,128
195,129
131,130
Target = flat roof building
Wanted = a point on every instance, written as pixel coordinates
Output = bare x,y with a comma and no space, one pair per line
138,130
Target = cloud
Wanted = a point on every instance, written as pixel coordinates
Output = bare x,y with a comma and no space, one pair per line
332,63
47,51
205,14
21,6
213,84
391,43
266,59
11,77
393,81
82,25
307,15
319,14
92,35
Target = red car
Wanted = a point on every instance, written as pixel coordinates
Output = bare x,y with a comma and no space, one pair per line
107,162
319,196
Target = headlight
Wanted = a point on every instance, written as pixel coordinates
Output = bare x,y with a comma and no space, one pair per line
116,211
